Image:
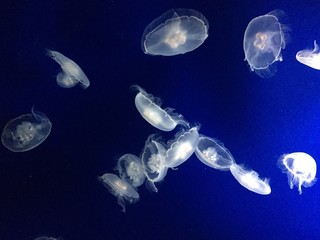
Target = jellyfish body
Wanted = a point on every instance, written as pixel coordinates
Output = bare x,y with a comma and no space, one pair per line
121,189
212,153
264,38
301,169
310,58
47,238
177,31
26,131
250,180
71,73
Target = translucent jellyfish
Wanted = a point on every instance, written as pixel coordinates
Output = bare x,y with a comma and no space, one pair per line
250,180
177,31
263,41
47,238
212,153
182,147
119,188
26,131
300,168
310,58
71,73
149,108
130,169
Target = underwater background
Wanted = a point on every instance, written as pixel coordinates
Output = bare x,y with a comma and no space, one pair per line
53,190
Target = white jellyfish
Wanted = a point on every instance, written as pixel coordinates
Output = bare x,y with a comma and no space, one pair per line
47,238
310,58
300,168
250,180
71,73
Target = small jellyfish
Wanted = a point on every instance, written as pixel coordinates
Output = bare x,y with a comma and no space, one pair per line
212,153
263,41
177,31
149,108
310,58
71,73
300,168
47,238
119,188
250,180
26,131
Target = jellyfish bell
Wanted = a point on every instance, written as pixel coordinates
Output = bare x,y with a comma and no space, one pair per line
177,31
301,169
66,81
310,58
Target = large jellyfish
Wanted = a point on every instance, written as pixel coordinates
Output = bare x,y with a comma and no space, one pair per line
26,131
263,41
149,108
119,188
310,58
300,168
177,31
71,73
212,153
250,180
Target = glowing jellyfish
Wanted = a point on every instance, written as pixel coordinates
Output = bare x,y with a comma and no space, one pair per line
212,153
130,169
250,180
71,73
182,147
310,58
263,41
47,238
300,168
119,188
177,31
149,108
26,131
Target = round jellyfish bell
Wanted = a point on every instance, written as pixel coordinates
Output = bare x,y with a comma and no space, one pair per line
26,131
310,58
263,41
300,168
177,31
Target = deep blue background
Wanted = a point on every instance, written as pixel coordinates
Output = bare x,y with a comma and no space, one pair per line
52,190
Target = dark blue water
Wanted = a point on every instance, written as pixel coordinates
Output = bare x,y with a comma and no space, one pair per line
52,190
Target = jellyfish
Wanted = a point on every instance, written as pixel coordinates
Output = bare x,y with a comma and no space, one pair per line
149,108
26,131
120,189
263,41
300,168
71,73
310,58
212,153
250,180
47,238
130,169
177,31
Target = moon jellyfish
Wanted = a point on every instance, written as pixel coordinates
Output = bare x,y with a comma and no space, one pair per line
250,180
263,41
182,147
130,169
310,58
26,131
300,168
71,73
120,189
177,31
212,153
149,108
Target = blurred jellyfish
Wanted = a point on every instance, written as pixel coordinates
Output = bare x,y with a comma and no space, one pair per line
310,58
300,168
250,180
119,188
26,131
130,169
212,153
177,31
47,238
149,108
71,73
263,41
